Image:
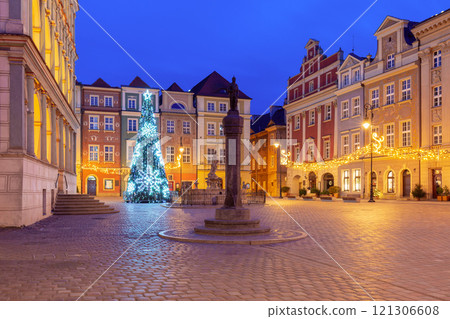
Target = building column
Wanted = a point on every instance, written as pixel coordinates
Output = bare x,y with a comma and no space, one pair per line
66,146
74,152
61,142
30,114
54,156
44,127
17,124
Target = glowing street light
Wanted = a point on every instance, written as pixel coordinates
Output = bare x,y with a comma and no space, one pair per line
368,124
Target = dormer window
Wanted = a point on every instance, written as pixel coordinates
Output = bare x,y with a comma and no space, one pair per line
390,61
346,79
357,75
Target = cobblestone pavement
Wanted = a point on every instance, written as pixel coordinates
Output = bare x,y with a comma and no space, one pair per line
395,250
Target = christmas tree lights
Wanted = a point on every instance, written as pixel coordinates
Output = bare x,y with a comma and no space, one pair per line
147,182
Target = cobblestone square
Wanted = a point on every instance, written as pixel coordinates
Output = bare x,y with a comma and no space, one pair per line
393,250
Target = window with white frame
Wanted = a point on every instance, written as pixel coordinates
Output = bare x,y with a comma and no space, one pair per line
295,93
345,79
211,155
437,95
170,154
93,122
406,89
311,86
390,61
297,122
390,182
222,107
375,98
328,78
187,155
297,155
93,153
222,156
389,94
311,152
211,129
356,142
326,149
312,117
109,183
390,135
357,180
132,125
109,123
356,106
327,116
356,75
94,100
170,126
346,180
345,145
437,59
132,103
186,127
109,153
211,106
130,150
345,110
406,134
437,135
221,131
108,101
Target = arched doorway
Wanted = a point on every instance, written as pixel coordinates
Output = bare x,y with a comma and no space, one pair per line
92,185
328,181
295,185
406,180
312,180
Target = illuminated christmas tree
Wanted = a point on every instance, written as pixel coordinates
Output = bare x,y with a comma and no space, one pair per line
147,182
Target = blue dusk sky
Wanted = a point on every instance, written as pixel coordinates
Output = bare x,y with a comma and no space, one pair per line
261,42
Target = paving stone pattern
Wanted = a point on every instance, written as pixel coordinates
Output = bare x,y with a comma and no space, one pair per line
395,250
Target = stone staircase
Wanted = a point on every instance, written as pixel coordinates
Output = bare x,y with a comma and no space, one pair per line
80,204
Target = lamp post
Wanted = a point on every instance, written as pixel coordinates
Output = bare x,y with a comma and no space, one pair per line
368,124
277,146
181,149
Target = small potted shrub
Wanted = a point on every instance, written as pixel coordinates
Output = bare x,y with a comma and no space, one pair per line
376,193
302,192
446,194
334,190
439,192
315,191
418,192
325,192
285,190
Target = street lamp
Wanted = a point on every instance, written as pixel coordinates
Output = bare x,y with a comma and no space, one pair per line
368,124
277,146
181,149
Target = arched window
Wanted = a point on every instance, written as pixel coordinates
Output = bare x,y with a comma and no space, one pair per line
390,182
177,106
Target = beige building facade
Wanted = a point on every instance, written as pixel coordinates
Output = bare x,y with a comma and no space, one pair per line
37,122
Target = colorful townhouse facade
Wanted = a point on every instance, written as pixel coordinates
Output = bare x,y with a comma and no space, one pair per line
131,104
312,117
211,101
268,134
37,122
433,35
178,128
401,93
100,173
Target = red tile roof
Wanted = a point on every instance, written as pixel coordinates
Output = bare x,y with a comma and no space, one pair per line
100,83
138,83
174,88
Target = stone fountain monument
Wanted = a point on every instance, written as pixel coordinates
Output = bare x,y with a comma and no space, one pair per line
232,218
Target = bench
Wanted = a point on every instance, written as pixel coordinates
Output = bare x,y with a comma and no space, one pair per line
326,198
351,199
309,197
291,196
